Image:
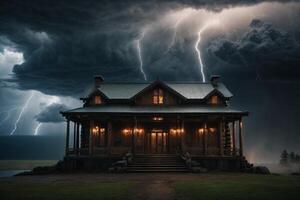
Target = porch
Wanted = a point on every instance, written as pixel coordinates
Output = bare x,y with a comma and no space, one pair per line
113,136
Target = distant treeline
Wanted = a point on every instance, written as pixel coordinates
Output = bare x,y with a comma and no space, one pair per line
289,158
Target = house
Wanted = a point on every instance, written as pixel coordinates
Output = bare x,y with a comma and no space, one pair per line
157,120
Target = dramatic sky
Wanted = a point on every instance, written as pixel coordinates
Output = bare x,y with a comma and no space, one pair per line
50,50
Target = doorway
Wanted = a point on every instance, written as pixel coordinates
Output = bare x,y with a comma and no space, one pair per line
158,142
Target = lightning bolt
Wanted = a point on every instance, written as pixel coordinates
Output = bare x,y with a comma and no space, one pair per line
175,27
7,112
21,113
36,130
206,26
139,52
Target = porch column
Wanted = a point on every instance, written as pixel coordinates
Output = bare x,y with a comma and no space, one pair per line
109,136
183,136
77,139
240,137
74,136
132,135
205,139
67,137
91,137
221,137
178,145
233,139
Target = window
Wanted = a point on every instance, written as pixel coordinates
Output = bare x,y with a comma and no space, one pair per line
214,99
158,96
98,100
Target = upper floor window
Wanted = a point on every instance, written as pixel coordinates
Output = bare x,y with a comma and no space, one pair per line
97,99
214,99
158,96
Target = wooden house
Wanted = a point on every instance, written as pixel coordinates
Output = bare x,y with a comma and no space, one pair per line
157,119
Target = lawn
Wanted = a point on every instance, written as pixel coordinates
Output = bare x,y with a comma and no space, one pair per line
239,186
165,186
65,191
24,164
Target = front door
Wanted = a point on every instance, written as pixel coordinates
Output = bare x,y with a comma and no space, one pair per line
158,142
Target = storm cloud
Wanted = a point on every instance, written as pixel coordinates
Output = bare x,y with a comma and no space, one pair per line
51,114
267,51
65,43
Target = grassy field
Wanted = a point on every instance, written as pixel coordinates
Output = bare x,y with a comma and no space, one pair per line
234,186
65,191
24,164
166,186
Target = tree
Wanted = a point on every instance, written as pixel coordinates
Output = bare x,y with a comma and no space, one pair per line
284,158
297,158
292,157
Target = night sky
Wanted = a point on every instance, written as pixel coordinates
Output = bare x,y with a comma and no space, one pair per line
50,50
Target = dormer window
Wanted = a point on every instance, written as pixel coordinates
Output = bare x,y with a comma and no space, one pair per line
97,99
158,96
214,99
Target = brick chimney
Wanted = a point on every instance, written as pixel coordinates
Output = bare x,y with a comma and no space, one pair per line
98,80
215,79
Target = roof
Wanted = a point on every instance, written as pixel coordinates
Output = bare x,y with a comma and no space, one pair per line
185,109
193,90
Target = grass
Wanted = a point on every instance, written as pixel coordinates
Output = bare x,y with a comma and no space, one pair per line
240,186
65,191
186,186
24,164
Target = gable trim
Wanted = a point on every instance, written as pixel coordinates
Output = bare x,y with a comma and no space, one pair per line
163,85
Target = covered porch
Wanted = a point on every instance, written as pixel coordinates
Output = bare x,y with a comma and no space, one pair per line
113,134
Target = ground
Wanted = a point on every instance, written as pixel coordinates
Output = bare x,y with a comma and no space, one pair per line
24,164
179,186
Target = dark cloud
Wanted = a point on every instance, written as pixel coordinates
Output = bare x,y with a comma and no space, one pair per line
51,114
271,53
65,43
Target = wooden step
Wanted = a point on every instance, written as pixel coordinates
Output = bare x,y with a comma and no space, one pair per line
157,163
156,170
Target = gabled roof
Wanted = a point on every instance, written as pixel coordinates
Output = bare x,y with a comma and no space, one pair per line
198,90
195,90
121,90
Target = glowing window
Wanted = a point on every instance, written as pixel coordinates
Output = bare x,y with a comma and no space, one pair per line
214,99
98,100
158,96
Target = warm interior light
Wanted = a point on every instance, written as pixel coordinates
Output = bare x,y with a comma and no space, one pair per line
95,129
214,99
177,130
201,130
138,130
126,131
102,130
129,131
212,130
157,118
98,100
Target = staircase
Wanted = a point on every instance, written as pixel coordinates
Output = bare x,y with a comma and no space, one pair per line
156,163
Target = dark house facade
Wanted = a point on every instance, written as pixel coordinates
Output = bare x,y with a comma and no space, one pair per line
158,119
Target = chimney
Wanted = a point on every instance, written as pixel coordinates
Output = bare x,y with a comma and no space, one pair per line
98,80
215,79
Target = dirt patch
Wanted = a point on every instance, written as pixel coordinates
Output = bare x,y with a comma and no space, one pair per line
156,189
